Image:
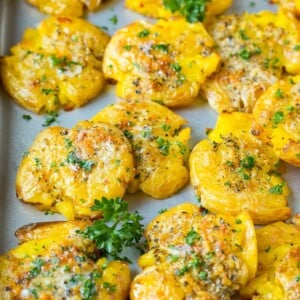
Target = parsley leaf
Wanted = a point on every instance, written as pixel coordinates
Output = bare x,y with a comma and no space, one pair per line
117,229
277,189
84,164
277,118
51,118
192,10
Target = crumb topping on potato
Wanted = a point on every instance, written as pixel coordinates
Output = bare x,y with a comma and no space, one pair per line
65,170
58,64
196,256
278,112
160,145
256,50
164,62
60,264
243,171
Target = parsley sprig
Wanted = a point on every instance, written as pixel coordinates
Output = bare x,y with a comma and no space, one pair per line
118,228
192,10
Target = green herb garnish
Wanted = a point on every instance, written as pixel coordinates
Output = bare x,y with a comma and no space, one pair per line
117,229
192,10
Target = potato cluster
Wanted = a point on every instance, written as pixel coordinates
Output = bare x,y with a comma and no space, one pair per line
246,66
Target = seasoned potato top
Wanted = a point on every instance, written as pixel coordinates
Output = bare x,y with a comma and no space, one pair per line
278,112
165,62
66,170
196,256
159,145
73,8
167,9
233,170
57,64
278,275
289,6
255,49
58,263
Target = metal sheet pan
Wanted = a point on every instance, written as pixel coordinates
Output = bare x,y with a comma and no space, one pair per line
17,134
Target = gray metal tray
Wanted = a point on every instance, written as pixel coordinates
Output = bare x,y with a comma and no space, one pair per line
17,134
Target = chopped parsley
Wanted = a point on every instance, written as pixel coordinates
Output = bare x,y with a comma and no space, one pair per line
84,164
114,19
176,67
192,10
279,93
26,117
163,146
51,118
248,162
277,118
127,47
161,47
117,229
243,35
244,54
143,33
277,189
296,48
203,275
37,268
47,91
191,237
109,287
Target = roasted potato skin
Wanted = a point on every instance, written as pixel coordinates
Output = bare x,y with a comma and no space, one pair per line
172,268
278,112
156,9
150,61
234,170
54,261
66,170
160,146
58,64
278,263
74,8
254,56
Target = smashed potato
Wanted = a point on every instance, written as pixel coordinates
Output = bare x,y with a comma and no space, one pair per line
196,256
73,8
66,170
54,261
233,170
292,6
57,64
278,275
157,9
255,49
159,145
278,112
151,61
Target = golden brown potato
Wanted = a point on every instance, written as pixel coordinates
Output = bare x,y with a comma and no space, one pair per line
278,276
255,49
73,8
196,256
292,6
66,170
164,62
159,145
233,170
278,112
58,64
57,262
157,9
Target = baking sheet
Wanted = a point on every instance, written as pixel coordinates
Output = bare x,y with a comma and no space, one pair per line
17,134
